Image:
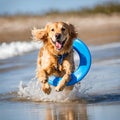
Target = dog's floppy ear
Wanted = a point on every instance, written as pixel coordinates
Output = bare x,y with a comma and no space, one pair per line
39,34
73,33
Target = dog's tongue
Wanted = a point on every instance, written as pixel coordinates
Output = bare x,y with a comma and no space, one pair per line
58,45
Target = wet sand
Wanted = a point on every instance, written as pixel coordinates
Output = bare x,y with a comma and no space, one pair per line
94,29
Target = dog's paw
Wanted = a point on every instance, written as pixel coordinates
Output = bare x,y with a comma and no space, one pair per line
58,88
46,88
43,80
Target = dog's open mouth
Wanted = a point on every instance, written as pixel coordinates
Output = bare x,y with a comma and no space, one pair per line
59,44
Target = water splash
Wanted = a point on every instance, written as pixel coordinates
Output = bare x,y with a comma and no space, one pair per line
32,91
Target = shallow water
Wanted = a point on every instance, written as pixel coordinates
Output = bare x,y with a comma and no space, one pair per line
96,98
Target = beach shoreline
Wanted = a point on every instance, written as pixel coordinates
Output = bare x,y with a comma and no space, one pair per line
93,30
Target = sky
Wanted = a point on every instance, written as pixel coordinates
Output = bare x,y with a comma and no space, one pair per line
42,6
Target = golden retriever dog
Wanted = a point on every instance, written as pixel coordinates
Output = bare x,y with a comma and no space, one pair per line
56,55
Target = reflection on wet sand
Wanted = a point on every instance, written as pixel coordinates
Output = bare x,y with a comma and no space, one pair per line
68,112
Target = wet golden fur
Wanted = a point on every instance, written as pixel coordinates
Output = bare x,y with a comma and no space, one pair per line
57,38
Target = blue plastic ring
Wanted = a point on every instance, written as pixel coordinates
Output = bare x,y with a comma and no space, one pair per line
83,68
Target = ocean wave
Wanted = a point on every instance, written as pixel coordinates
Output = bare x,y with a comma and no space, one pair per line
12,49
105,46
107,62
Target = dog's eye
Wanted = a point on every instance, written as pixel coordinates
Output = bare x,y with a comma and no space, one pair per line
63,29
52,29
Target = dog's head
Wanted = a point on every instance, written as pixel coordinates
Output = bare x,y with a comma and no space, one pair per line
58,34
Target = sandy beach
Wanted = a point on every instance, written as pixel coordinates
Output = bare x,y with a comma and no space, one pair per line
93,30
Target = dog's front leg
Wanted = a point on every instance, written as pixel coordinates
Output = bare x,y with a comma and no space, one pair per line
46,88
68,70
42,77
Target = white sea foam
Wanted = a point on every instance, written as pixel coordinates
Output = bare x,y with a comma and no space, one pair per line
8,50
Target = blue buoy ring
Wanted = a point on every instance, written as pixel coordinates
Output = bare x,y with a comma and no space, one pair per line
83,68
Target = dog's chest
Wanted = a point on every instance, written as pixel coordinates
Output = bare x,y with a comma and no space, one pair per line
45,59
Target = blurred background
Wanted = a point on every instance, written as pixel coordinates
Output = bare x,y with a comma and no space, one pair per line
94,19
98,25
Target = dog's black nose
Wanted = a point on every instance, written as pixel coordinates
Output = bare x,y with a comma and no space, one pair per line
58,35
